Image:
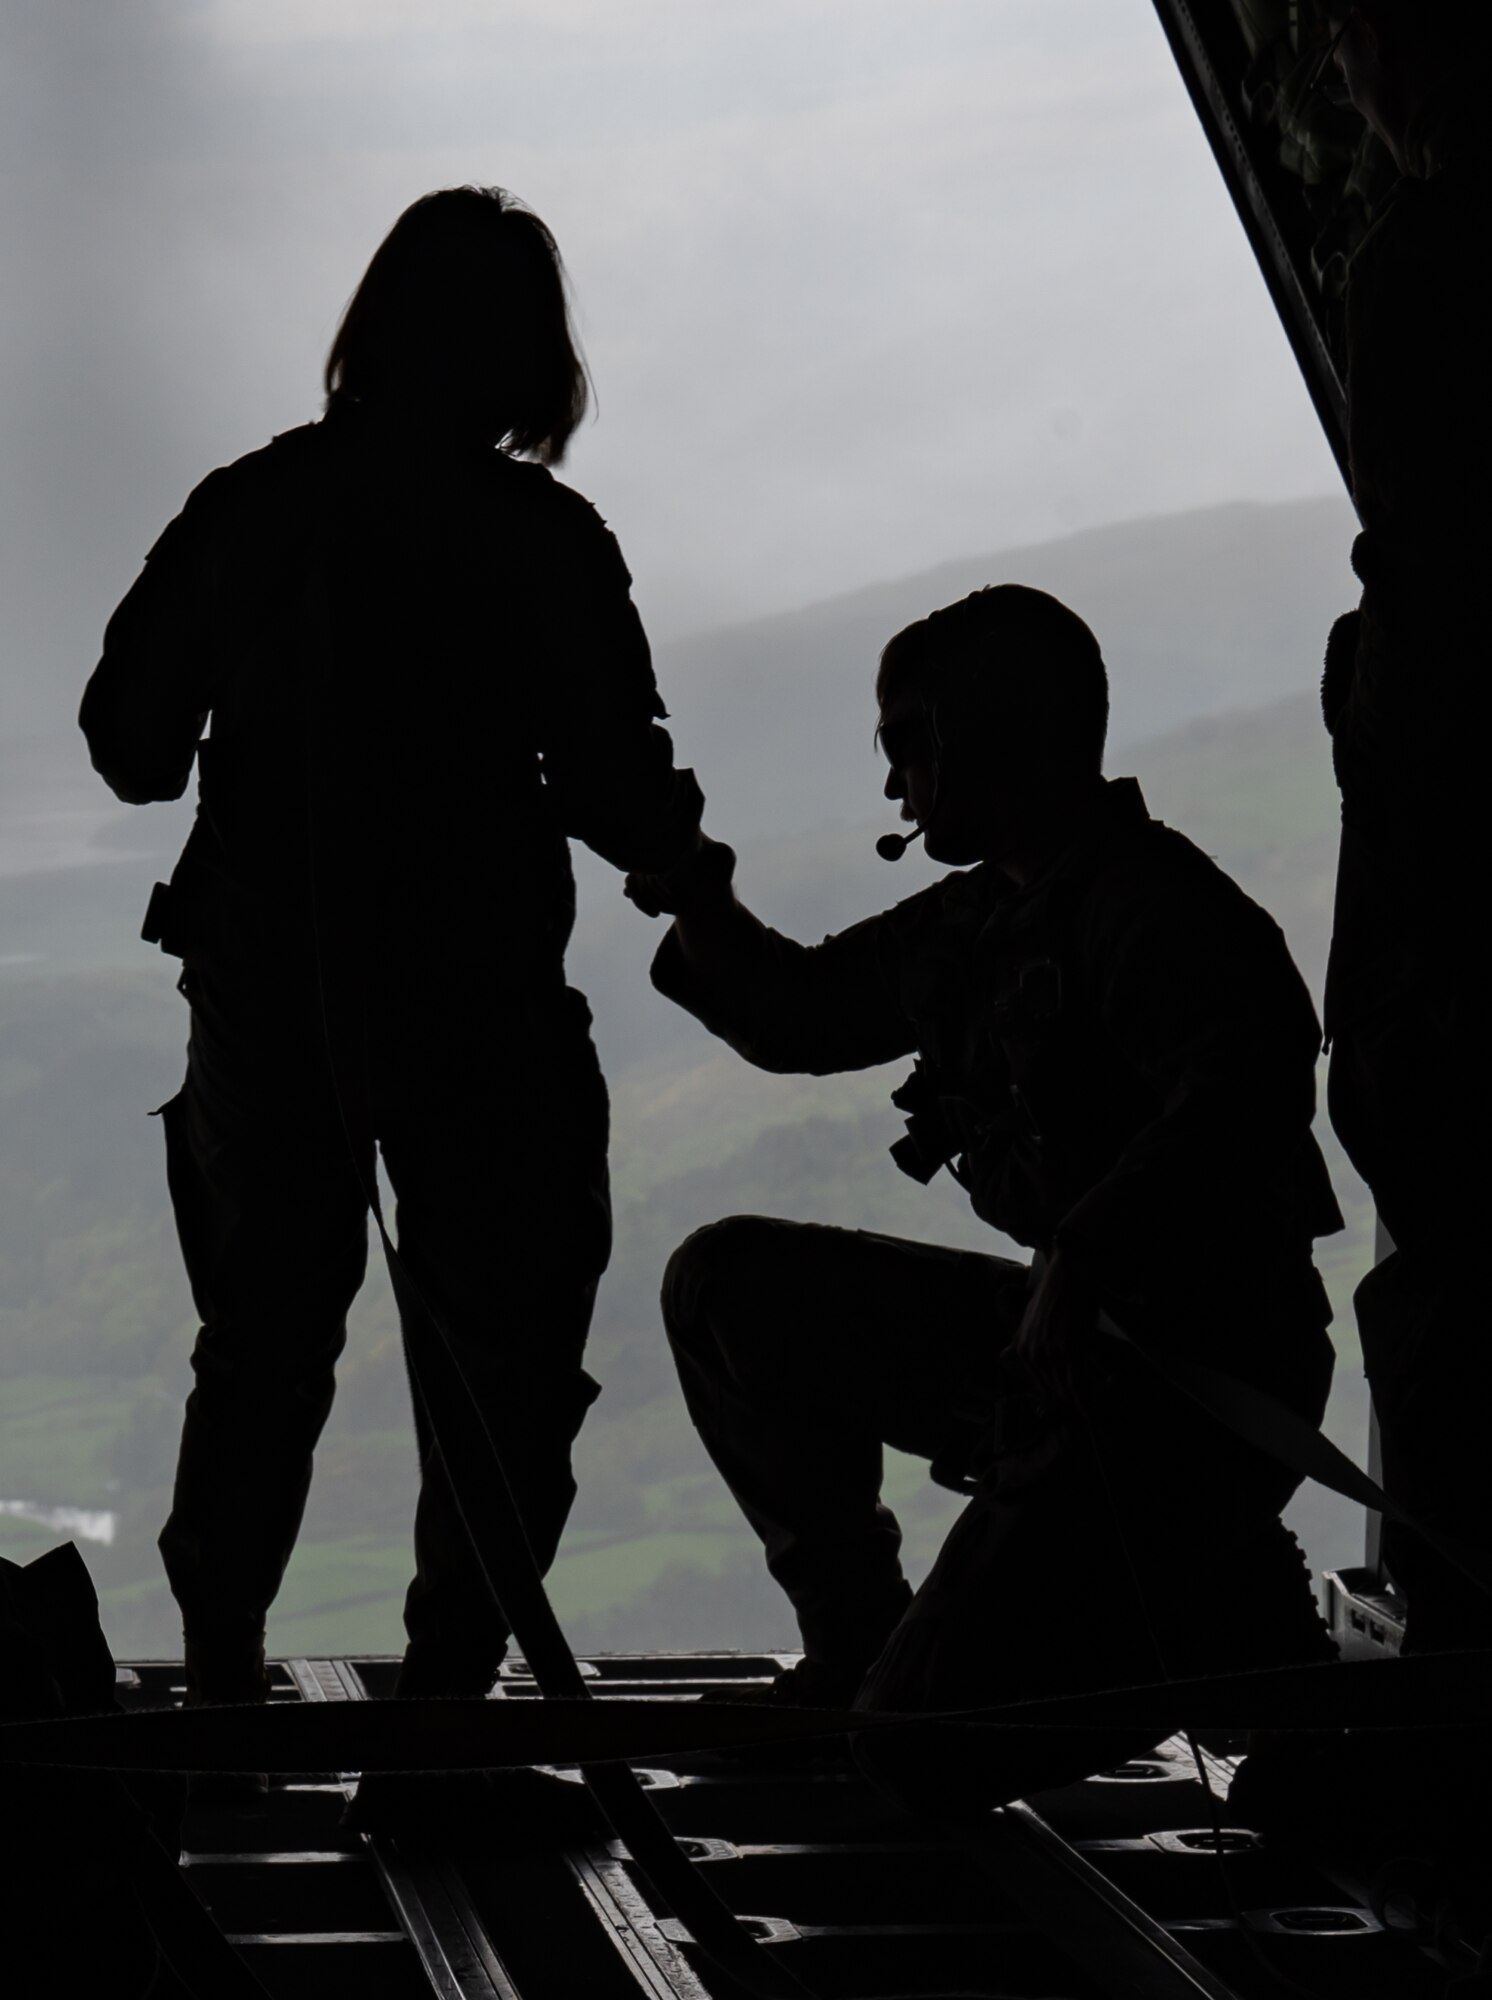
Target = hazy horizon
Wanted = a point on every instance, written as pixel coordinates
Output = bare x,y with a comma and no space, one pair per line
1180,591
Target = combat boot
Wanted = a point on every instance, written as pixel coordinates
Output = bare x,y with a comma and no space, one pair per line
225,1670
805,1684
526,1807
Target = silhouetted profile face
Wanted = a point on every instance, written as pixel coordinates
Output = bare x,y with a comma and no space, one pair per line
969,778
992,716
906,739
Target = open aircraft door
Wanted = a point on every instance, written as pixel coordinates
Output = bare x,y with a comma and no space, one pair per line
1306,175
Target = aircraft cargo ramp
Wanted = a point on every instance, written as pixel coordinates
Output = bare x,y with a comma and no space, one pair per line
1112,1887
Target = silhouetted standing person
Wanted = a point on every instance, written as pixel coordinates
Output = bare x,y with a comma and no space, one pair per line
1404,695
421,660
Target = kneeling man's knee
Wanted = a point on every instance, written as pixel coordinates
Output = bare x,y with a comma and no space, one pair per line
708,1275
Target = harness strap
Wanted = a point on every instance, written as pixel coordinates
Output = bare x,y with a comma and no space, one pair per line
1263,1421
1424,1691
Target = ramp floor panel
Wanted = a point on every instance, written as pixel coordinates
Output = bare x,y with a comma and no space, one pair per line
1110,1887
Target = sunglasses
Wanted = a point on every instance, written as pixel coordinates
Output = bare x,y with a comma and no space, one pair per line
904,739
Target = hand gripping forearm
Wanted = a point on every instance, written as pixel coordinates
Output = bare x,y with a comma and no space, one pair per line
697,889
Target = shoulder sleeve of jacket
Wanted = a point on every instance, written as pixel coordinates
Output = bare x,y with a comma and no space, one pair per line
1197,993
608,766
796,1008
149,696
595,605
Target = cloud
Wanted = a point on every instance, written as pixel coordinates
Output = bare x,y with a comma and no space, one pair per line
278,22
863,287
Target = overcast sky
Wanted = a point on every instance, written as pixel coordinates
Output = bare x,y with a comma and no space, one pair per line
863,286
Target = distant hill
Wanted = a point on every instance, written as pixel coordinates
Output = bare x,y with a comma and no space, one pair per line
1198,614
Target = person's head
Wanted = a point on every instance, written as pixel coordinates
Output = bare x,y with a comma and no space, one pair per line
1392,54
462,318
993,714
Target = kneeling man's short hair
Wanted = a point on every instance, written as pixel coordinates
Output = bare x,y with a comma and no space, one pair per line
1014,655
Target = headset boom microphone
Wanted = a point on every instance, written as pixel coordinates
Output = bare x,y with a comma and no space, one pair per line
892,846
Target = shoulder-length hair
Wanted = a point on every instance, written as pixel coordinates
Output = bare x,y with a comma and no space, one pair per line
463,311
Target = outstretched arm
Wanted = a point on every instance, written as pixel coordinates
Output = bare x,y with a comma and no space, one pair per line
608,763
784,1006
608,766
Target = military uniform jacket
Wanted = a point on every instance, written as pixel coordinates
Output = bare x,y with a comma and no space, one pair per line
432,646
1116,1061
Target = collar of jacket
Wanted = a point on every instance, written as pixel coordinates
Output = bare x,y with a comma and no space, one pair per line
404,432
1118,808
1117,811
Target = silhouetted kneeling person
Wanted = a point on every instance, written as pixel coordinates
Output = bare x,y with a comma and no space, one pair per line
1116,1057
424,672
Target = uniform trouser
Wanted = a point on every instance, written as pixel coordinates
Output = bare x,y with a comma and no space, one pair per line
492,1124
1137,1541
1408,1107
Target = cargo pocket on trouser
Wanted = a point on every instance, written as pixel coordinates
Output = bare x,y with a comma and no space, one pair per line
191,1204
